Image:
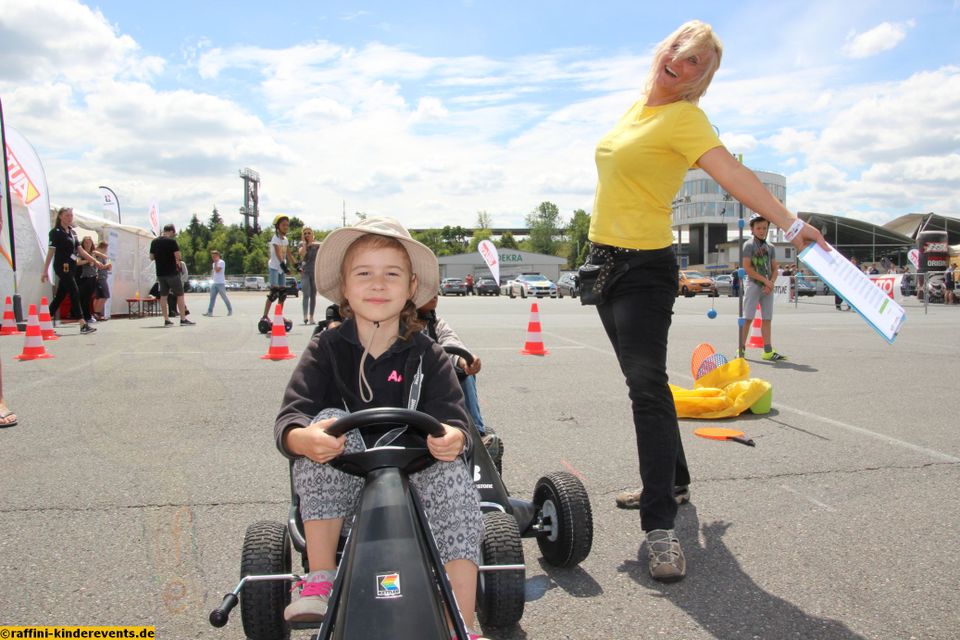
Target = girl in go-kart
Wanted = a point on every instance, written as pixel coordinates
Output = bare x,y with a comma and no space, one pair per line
377,358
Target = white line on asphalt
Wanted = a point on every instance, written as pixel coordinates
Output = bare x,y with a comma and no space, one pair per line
933,453
822,505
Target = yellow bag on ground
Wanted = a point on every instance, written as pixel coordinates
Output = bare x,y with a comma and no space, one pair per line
725,392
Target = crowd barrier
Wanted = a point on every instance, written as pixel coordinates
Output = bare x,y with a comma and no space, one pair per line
910,290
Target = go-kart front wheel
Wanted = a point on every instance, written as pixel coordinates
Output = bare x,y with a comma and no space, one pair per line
565,517
266,550
500,594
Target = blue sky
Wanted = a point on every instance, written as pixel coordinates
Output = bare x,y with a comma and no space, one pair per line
432,111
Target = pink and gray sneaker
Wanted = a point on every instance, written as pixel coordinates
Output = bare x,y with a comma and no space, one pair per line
311,606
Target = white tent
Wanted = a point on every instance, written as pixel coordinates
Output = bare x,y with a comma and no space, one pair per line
129,250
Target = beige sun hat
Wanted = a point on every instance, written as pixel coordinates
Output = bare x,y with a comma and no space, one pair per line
330,256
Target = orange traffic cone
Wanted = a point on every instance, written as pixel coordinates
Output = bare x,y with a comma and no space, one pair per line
279,350
534,345
9,326
33,345
46,323
756,337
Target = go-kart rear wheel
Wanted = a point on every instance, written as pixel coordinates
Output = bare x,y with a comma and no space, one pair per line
266,550
500,594
564,512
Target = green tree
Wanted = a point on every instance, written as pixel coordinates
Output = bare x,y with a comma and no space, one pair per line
216,220
578,237
454,240
544,223
507,241
478,236
431,238
255,260
484,221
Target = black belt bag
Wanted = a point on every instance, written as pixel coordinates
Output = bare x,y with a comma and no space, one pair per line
606,264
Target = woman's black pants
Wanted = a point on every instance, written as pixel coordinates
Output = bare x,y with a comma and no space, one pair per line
67,284
637,316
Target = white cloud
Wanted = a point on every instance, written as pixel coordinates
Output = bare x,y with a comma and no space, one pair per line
433,139
65,39
883,37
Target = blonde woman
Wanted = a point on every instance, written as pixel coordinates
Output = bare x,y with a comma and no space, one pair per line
641,164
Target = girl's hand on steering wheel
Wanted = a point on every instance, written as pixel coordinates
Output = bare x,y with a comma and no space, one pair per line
447,447
315,443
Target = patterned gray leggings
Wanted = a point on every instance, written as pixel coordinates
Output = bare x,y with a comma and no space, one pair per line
445,489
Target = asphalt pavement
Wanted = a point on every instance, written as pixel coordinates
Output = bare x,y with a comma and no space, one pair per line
143,453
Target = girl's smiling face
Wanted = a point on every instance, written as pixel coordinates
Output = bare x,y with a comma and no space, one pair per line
378,282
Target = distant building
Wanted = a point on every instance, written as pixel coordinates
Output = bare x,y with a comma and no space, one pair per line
512,263
709,214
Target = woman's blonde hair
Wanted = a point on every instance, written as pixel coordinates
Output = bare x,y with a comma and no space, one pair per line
410,322
693,38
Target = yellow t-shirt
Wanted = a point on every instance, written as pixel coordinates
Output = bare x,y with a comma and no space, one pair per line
641,164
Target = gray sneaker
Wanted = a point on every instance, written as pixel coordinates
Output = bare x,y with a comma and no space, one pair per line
631,499
311,606
667,563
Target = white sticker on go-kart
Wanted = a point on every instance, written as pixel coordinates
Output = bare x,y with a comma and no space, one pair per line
388,585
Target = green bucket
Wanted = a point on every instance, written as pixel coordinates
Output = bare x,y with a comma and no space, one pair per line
764,403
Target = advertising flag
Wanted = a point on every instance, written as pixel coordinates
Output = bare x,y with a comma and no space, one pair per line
488,251
110,203
28,183
154,216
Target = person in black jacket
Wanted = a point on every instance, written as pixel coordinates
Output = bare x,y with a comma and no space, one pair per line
63,249
377,357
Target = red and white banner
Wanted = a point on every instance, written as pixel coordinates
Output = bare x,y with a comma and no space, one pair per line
914,256
28,183
488,251
889,284
154,216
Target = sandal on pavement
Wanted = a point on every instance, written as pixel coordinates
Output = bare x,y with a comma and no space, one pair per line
5,419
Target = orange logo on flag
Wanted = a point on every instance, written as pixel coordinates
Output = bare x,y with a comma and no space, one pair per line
20,182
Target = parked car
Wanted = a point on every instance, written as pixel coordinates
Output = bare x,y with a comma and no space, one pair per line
254,283
532,284
506,283
804,287
293,289
569,284
724,284
486,287
694,282
820,287
453,286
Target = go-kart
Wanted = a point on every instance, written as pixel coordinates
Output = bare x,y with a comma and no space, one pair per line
559,517
390,578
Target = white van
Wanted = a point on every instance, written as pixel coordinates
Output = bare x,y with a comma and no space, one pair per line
255,283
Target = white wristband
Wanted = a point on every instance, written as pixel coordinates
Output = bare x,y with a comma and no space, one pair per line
794,229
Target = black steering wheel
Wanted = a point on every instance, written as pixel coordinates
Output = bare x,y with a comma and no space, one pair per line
422,423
